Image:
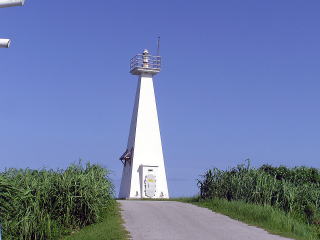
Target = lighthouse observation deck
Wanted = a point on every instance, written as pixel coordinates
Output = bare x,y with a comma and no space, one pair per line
145,63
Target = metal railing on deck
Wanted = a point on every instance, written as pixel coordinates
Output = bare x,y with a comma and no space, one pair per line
145,61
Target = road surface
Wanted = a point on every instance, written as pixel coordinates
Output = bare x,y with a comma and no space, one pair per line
168,220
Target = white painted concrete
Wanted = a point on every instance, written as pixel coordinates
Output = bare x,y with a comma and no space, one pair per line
145,140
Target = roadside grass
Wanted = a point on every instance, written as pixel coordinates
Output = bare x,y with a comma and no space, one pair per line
266,217
47,204
110,228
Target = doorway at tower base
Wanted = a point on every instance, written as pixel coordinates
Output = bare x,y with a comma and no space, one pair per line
148,181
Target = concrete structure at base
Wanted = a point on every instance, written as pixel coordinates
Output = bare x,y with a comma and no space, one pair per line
144,173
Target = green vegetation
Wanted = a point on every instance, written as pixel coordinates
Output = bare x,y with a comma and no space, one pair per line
109,228
46,204
267,217
293,194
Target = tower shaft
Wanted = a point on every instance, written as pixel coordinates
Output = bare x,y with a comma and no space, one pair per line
144,173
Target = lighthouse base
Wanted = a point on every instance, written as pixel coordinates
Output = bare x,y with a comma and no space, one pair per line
148,185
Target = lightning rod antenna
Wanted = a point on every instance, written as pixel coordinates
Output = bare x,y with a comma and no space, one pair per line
158,46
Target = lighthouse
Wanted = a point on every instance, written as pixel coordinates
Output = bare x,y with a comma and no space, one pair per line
143,174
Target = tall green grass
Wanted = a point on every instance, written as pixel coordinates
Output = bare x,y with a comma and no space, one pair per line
46,204
110,228
267,217
295,191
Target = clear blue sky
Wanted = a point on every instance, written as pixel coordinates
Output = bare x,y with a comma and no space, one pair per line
240,79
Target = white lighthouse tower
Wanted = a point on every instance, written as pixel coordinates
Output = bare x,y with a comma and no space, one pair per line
143,174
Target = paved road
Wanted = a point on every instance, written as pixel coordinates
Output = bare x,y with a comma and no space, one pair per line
167,220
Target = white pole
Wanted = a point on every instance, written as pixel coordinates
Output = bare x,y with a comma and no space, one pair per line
11,3
4,43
